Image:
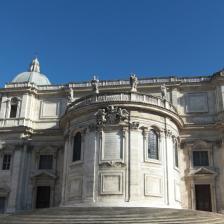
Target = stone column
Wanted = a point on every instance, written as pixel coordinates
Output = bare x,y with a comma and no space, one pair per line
16,171
163,148
125,149
97,144
65,170
90,164
23,180
4,107
26,103
170,166
134,160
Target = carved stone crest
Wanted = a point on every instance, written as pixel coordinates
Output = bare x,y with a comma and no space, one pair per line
111,115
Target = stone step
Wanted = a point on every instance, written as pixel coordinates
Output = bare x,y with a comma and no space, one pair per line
110,215
112,222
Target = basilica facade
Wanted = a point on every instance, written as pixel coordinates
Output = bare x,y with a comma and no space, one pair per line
155,142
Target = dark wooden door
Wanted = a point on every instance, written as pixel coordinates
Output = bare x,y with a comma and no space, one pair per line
2,204
203,197
43,197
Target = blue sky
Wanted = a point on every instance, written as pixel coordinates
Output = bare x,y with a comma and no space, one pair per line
75,39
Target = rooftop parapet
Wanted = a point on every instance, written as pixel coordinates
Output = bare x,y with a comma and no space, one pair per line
127,100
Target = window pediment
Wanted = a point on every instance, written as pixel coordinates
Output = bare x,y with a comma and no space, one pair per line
200,144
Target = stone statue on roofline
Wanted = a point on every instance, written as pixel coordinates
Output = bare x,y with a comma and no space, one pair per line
164,91
70,96
133,82
95,84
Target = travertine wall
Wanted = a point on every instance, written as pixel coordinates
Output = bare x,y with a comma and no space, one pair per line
46,122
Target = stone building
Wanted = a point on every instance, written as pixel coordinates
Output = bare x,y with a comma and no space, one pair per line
154,142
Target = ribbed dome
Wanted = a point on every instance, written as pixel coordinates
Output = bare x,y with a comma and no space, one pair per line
33,75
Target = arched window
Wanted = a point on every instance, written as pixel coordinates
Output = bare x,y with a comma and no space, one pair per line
77,147
153,151
175,152
14,107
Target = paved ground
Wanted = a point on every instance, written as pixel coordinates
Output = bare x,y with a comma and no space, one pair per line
70,215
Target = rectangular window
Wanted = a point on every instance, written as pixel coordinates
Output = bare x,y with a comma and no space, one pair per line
153,151
176,159
46,162
13,111
6,162
77,146
200,158
176,154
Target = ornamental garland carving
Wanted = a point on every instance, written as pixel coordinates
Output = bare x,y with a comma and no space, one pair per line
111,115
112,164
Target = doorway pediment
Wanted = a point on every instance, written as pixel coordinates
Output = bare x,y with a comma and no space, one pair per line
202,171
44,173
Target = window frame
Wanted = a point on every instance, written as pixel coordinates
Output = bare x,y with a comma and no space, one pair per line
10,103
8,163
14,102
155,145
146,132
73,147
176,154
52,162
201,150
